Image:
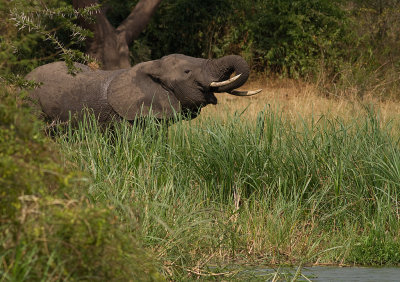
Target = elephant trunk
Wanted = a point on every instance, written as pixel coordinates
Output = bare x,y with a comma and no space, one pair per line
222,68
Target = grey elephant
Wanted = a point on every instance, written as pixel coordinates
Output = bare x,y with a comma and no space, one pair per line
173,84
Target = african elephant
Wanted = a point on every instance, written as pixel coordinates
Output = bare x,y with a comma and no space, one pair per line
173,84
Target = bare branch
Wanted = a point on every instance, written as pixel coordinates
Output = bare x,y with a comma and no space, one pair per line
138,19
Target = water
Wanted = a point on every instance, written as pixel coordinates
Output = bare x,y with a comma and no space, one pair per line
320,273
352,274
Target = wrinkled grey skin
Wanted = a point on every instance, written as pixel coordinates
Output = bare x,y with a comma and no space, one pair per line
173,84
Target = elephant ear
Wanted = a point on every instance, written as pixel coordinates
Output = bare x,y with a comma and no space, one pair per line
139,92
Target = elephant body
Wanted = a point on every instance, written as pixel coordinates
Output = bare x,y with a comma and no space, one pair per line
162,88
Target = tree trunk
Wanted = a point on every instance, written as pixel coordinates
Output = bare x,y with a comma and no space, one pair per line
110,46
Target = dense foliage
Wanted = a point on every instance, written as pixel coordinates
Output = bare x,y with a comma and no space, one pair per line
48,230
334,40
38,33
289,37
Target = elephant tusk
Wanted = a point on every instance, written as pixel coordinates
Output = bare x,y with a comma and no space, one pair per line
245,93
225,82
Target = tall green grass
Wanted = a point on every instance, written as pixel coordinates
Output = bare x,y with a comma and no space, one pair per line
267,191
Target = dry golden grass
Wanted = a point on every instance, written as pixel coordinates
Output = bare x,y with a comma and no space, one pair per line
298,99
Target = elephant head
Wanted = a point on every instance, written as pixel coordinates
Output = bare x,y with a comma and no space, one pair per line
173,84
176,83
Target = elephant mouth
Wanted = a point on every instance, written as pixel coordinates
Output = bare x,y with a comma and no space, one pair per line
211,99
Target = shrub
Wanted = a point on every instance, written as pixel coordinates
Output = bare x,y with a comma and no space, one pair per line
36,33
295,37
288,37
49,230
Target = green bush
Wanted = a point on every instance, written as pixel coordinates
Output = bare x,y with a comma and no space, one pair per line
295,37
58,239
288,37
27,161
49,230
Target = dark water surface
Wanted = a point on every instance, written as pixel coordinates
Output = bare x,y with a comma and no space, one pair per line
328,273
352,274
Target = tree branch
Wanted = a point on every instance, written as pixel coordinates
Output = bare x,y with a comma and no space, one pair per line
138,19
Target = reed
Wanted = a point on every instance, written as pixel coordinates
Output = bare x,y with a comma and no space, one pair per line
250,187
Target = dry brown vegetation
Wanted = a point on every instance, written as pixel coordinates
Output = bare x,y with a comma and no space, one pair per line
296,99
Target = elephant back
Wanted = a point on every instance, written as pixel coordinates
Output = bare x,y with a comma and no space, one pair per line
62,94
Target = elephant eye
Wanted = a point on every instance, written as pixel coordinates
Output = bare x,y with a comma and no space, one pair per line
187,71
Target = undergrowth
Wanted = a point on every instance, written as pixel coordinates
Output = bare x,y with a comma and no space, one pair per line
48,228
